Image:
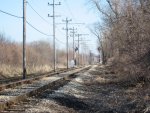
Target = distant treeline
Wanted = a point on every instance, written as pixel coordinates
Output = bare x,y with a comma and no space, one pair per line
39,57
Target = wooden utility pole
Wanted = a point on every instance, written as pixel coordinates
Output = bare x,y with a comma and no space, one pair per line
67,29
54,38
79,49
24,39
73,35
67,49
78,35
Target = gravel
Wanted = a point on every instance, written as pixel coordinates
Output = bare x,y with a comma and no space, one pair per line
86,94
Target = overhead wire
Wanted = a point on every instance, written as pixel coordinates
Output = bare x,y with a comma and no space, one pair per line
60,30
37,13
11,14
60,41
69,9
26,22
19,17
31,24
41,18
45,21
37,29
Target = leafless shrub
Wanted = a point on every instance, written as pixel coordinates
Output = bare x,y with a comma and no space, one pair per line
125,36
39,57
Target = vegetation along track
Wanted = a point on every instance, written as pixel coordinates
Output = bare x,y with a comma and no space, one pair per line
11,96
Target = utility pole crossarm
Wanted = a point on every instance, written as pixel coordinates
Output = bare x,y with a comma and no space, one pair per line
54,3
78,35
67,50
54,38
73,36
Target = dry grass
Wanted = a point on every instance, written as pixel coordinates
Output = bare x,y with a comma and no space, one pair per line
120,95
12,71
38,69
9,71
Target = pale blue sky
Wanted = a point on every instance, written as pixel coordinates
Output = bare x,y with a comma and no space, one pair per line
78,10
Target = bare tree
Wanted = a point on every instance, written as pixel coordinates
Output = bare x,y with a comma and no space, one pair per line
127,39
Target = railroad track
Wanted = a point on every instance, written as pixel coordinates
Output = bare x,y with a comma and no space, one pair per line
18,95
13,82
14,79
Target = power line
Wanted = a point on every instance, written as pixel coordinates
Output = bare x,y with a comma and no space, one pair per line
60,41
69,9
37,29
26,21
10,14
60,30
37,13
62,34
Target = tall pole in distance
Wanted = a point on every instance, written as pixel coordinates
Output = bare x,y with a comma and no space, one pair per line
24,39
67,41
54,38
67,49
67,22
78,49
73,35
78,35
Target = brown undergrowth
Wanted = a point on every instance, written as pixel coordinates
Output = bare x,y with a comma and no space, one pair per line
119,95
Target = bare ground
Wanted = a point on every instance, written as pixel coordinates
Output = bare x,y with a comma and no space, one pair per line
94,92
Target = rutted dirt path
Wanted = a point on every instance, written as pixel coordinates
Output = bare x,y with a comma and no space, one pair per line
91,92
